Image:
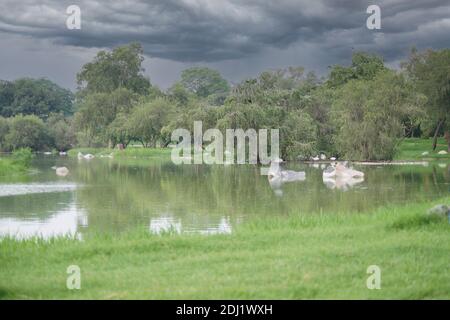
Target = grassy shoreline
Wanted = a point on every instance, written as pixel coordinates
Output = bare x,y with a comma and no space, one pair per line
410,149
298,257
8,167
17,163
413,148
131,152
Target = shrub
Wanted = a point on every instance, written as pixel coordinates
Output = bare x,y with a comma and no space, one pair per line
22,157
27,132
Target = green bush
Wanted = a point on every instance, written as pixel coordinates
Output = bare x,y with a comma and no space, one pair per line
22,157
27,132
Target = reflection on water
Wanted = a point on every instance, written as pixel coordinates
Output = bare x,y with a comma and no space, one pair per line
278,176
65,222
171,224
343,184
165,224
340,176
105,195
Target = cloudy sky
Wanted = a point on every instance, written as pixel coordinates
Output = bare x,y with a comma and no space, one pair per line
240,38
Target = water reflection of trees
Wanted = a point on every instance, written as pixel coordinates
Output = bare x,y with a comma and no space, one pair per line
40,206
120,196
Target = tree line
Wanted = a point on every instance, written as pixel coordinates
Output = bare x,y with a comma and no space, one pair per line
360,111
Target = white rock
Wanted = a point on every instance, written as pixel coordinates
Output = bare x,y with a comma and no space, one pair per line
62,171
442,152
440,210
85,156
425,153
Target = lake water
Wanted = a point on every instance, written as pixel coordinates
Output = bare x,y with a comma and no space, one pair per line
104,195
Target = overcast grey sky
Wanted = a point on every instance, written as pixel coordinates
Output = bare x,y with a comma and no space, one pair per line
240,38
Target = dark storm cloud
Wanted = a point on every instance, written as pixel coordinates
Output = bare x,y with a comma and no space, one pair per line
251,34
208,30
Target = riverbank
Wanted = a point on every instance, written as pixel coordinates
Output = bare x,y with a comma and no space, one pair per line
17,163
296,257
130,152
7,167
421,149
411,149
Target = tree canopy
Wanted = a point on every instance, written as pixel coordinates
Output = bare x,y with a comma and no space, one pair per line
430,72
360,111
204,81
39,97
112,70
364,66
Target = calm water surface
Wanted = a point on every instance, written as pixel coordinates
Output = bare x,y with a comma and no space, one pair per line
104,195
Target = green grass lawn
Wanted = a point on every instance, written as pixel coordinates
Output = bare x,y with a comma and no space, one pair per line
412,149
409,149
297,257
130,152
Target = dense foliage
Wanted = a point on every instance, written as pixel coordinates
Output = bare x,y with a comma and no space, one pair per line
360,111
39,97
430,72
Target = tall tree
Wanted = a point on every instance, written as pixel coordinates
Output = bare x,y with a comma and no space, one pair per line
98,110
111,70
204,81
430,70
368,114
148,119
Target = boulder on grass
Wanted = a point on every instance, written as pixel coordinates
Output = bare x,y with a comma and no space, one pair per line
440,210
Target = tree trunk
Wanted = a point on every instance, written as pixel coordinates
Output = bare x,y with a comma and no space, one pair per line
440,123
447,137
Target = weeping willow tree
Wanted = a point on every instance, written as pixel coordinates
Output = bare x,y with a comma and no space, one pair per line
430,72
368,116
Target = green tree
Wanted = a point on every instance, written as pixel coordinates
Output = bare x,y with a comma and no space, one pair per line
298,136
120,130
180,95
61,131
430,71
39,97
368,114
288,88
148,119
365,66
27,132
111,70
98,110
204,81
318,105
4,129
